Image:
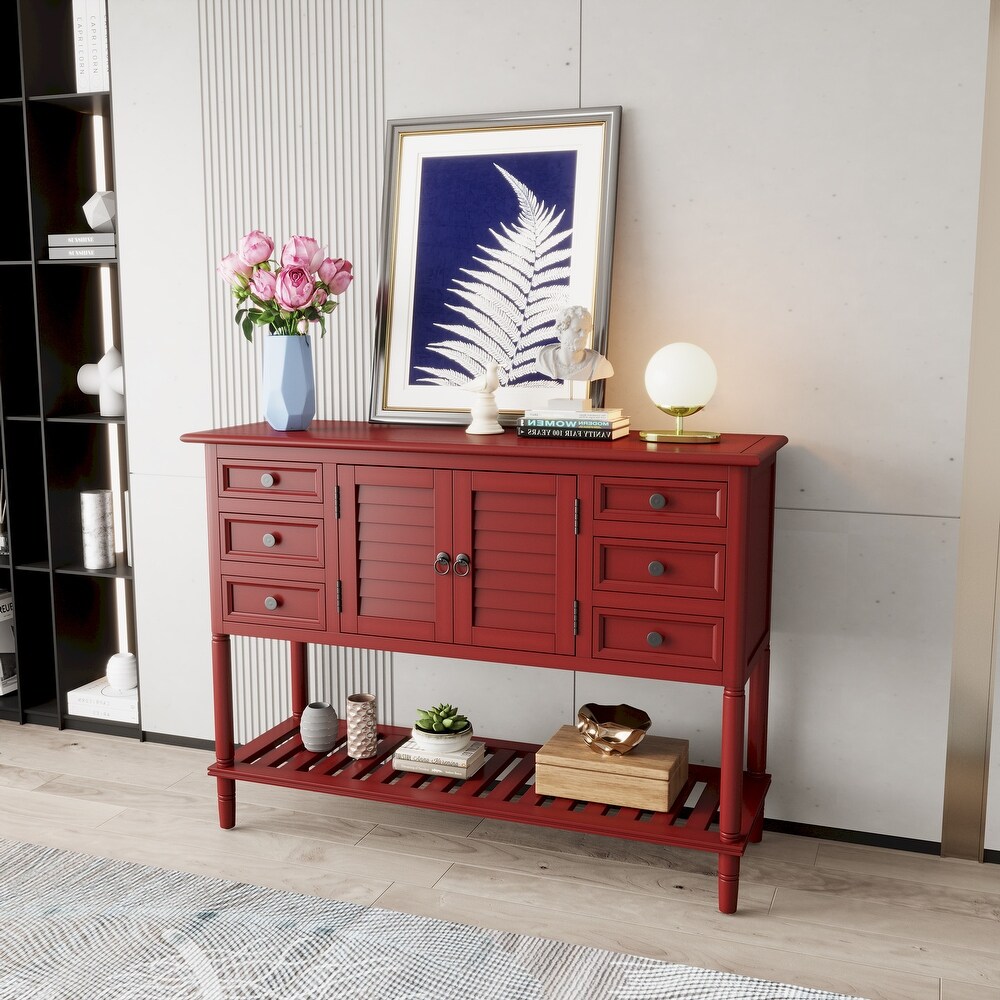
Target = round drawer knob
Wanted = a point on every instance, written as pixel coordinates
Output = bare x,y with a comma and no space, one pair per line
270,541
654,639
267,480
271,603
655,568
657,501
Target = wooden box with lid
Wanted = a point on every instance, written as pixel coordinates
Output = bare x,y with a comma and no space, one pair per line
650,776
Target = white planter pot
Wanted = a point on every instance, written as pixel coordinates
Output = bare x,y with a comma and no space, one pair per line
443,742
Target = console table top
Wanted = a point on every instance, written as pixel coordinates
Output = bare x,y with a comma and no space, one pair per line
730,449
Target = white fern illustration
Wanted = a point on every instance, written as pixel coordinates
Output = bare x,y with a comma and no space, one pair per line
509,304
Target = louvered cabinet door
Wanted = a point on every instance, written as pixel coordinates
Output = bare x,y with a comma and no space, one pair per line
393,523
518,532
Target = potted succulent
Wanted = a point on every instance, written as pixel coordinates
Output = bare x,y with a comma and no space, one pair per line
442,728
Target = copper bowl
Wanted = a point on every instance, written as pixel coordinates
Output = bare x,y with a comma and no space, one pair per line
612,729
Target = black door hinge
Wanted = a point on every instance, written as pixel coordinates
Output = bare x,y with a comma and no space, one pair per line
576,618
340,596
576,516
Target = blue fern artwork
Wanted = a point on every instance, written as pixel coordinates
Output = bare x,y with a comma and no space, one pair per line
493,257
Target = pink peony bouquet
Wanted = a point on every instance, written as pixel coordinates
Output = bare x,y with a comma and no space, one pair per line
288,294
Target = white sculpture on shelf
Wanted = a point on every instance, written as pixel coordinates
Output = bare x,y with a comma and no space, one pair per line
570,360
100,209
484,409
122,672
106,380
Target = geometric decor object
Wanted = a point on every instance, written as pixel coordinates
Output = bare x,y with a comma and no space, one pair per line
100,210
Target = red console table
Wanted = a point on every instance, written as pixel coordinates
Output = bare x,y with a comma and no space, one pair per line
614,557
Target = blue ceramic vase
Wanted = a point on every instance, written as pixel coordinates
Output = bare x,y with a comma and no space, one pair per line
288,386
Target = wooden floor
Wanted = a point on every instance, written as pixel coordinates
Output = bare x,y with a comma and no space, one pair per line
857,920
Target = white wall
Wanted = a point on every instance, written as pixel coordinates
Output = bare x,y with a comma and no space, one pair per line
798,194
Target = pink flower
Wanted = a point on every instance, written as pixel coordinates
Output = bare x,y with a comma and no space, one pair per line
233,271
336,274
302,251
294,287
262,284
320,297
255,247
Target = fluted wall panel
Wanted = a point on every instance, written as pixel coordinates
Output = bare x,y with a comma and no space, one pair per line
293,133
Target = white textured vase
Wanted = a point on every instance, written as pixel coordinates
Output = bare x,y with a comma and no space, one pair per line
318,726
123,672
362,726
97,524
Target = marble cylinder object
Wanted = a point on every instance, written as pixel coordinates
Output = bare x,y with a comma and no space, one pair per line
362,727
97,522
318,726
123,672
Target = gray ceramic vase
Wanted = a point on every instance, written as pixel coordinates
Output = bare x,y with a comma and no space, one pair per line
318,726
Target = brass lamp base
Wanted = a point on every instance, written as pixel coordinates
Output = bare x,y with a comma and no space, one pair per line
680,437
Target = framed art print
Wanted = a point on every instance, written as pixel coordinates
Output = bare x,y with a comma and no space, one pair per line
491,225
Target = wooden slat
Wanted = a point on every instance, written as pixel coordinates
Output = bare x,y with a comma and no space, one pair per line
536,602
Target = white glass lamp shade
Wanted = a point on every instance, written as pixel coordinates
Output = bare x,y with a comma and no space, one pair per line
680,379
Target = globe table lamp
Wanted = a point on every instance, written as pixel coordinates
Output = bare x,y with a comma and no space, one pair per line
680,380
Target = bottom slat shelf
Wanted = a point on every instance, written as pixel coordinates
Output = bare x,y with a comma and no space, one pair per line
503,788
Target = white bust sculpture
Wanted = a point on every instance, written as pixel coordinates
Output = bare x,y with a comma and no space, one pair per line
569,360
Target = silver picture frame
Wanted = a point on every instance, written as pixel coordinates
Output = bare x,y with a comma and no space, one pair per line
491,224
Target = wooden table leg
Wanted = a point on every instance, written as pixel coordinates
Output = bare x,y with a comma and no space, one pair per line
731,793
222,689
300,678
757,729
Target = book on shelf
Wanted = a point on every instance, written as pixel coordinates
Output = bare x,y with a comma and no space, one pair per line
444,770
8,657
98,700
582,422
81,239
80,46
575,433
83,253
97,44
90,45
607,414
411,750
463,763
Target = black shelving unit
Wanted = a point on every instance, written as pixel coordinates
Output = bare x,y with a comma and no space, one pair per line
56,316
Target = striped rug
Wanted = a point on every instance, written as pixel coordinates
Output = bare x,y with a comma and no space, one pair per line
74,927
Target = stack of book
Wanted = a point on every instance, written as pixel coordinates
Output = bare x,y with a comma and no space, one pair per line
8,657
82,246
603,424
456,764
90,43
98,700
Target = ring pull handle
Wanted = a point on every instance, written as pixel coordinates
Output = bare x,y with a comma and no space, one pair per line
654,639
271,603
269,540
656,568
267,480
657,501
463,564
442,564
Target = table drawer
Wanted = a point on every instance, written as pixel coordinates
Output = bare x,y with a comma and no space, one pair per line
660,569
276,602
263,480
276,540
661,501
675,640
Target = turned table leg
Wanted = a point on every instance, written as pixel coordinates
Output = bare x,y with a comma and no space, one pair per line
300,678
757,731
731,794
222,689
